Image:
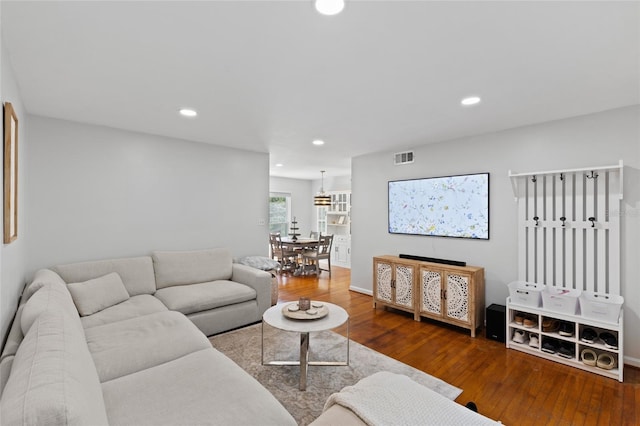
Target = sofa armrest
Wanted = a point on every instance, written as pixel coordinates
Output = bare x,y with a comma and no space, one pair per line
259,280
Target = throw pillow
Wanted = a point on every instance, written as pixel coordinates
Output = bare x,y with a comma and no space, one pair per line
259,262
99,293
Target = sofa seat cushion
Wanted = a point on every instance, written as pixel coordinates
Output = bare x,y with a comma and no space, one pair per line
128,346
94,295
204,296
202,388
53,379
135,306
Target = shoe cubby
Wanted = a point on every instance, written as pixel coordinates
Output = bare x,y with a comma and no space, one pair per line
559,339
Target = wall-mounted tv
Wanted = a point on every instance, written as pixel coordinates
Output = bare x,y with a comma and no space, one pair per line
448,206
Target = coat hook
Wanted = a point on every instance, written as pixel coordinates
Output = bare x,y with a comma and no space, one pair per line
593,175
593,221
561,176
534,179
563,219
536,218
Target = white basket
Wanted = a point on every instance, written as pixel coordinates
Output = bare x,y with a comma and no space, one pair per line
527,294
561,300
600,306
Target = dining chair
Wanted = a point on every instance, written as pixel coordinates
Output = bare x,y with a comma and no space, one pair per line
287,258
321,252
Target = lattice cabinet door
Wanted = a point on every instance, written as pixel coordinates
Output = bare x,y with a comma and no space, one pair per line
404,278
431,292
383,279
457,297
394,284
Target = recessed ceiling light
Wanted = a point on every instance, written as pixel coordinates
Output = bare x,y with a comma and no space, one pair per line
318,142
329,7
471,100
186,112
279,165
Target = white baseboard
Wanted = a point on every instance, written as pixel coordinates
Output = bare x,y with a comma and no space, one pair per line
634,362
361,290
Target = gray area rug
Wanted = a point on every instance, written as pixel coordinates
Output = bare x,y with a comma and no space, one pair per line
244,347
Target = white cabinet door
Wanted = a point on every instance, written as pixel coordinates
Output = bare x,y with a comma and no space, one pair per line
341,252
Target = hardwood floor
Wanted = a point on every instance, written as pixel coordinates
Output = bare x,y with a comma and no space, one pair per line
510,386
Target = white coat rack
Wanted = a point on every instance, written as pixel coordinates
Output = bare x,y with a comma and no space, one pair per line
569,227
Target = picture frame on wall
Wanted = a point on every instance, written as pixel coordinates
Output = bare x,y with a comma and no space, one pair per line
10,174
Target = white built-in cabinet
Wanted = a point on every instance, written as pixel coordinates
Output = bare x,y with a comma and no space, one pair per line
579,324
341,251
336,220
569,238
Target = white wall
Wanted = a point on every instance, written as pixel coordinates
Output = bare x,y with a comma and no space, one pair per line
96,192
301,200
13,256
594,140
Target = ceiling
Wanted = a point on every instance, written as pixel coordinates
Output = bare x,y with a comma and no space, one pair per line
271,76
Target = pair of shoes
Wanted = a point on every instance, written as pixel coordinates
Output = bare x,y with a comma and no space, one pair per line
519,336
549,325
589,356
566,329
609,340
606,361
530,322
549,346
534,342
588,335
567,350
519,318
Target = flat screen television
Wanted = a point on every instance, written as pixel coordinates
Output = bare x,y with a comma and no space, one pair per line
448,206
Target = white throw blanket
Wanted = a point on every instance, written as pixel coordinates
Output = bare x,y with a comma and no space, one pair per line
386,398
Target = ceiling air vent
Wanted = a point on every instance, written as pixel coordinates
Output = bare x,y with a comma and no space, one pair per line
403,158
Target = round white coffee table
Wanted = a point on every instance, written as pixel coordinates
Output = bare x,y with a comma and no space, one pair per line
275,318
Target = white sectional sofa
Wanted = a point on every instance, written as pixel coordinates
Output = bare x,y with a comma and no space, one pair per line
123,342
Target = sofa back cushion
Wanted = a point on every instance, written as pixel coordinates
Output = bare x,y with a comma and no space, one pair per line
50,296
42,277
97,294
191,267
14,338
53,379
136,273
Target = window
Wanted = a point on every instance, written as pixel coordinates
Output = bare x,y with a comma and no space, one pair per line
279,212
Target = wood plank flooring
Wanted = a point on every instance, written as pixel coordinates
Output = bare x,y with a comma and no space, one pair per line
510,386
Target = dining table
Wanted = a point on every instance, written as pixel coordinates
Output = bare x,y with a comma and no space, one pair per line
300,244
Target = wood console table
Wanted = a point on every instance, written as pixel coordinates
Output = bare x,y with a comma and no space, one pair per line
447,293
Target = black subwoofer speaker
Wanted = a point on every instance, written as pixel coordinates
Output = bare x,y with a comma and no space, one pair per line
496,322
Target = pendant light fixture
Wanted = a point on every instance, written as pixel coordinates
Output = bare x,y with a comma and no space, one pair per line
322,199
